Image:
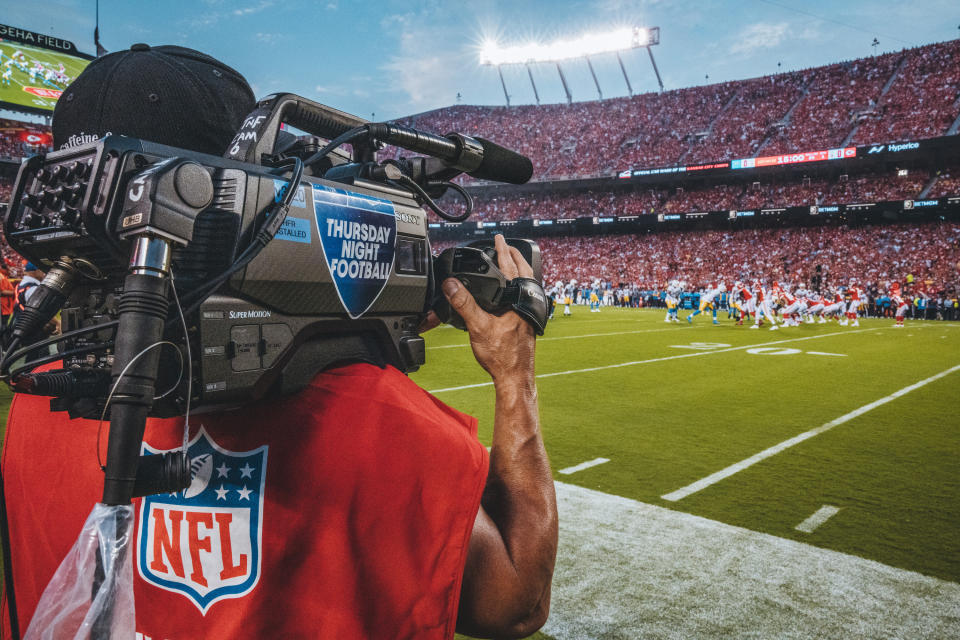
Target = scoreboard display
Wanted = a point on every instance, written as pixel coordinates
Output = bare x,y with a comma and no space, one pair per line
35,68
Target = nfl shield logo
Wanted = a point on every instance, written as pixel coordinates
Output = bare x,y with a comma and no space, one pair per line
204,542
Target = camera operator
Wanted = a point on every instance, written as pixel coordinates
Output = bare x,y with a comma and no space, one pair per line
380,513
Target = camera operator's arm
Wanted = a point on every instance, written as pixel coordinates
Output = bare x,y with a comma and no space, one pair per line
509,568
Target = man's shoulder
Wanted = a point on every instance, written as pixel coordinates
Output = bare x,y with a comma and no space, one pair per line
387,386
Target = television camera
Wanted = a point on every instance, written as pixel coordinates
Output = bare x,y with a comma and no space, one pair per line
188,282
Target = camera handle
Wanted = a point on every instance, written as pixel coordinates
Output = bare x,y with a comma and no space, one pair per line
258,134
143,312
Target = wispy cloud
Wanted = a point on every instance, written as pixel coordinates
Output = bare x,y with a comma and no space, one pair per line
251,9
329,90
214,18
762,35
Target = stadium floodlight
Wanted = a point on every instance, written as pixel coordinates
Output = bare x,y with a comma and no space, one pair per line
492,53
590,44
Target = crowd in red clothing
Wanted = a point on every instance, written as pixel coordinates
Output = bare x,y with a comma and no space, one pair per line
21,139
745,123
826,115
922,102
948,184
808,110
874,254
798,191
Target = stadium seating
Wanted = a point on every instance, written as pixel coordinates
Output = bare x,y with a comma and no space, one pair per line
873,255
908,95
21,139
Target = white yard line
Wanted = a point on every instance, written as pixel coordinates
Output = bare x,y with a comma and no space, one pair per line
714,478
822,353
576,337
583,465
651,360
821,515
626,569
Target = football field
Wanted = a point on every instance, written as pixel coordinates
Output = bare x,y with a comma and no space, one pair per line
719,481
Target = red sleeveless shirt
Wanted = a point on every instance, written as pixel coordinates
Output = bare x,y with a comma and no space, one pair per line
344,511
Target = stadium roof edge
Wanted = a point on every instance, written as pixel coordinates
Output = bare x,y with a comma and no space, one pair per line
638,95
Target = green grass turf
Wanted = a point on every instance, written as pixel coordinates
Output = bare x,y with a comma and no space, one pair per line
665,424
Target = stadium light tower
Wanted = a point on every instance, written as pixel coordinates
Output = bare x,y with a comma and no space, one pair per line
585,46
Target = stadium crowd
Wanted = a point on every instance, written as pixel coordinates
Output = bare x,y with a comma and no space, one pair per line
923,101
874,254
21,139
900,96
831,106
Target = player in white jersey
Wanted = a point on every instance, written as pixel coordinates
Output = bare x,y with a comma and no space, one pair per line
568,293
672,300
815,307
803,299
709,301
791,305
836,308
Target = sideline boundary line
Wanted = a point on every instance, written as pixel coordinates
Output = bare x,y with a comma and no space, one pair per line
583,335
714,478
664,358
583,465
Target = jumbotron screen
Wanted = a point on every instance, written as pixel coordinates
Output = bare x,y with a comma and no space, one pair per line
35,69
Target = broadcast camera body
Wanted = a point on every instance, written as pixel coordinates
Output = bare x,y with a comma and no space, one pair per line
250,284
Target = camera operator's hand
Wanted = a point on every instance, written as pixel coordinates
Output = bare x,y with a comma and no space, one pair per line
513,547
503,345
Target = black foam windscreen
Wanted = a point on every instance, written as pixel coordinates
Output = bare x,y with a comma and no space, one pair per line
502,165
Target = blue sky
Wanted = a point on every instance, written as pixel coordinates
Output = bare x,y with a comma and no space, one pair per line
398,57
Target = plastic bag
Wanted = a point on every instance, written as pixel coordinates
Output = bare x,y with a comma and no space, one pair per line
69,607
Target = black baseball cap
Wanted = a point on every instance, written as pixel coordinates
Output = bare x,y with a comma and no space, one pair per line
169,95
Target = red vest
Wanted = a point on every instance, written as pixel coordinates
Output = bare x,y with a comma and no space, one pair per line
342,512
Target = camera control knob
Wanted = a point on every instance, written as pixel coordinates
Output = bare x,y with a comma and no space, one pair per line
30,201
79,169
53,197
32,220
60,172
69,215
44,175
72,193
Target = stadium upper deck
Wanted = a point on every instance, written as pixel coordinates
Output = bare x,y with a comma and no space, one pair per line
900,96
